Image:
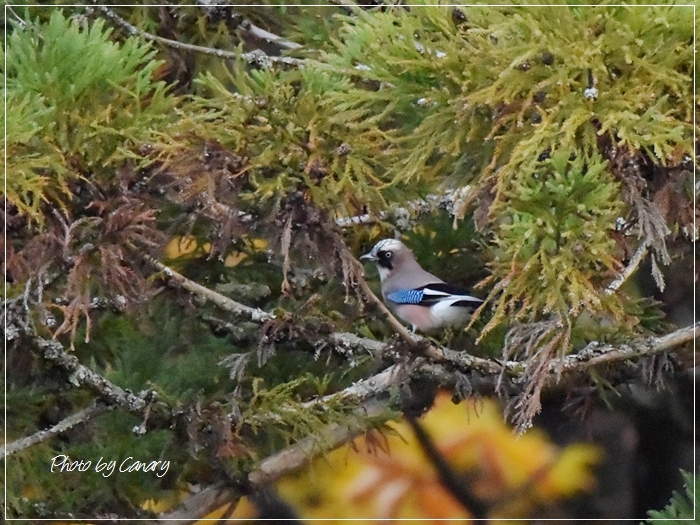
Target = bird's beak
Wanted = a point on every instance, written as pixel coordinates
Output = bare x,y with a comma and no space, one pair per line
368,257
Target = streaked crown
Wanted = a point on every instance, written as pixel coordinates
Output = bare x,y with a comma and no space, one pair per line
385,246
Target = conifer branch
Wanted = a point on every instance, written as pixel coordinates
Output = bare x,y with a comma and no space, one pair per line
451,200
287,460
334,436
299,454
441,366
596,354
252,57
83,416
112,395
79,375
592,355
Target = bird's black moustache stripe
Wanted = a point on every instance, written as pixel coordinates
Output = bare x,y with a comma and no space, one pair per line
386,263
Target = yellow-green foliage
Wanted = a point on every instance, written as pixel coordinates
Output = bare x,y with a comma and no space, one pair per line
277,413
512,80
74,99
418,96
280,122
555,249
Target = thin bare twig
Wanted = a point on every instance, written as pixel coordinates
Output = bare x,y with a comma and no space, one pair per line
20,20
634,263
272,38
254,57
395,323
223,302
64,425
246,25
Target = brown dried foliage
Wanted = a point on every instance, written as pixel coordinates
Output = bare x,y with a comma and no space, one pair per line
94,258
657,194
537,344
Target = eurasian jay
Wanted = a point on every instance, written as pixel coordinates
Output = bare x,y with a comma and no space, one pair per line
416,296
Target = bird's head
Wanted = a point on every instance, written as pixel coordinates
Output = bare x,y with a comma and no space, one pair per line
389,254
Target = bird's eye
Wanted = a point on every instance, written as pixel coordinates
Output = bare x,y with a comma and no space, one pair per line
387,255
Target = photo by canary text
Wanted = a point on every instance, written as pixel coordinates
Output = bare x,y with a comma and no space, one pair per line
64,463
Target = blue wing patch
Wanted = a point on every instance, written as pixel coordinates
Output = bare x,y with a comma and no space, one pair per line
406,296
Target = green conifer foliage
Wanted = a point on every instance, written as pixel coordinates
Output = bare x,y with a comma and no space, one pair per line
555,238
76,101
682,507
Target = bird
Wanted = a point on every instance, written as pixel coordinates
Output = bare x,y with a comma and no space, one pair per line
416,296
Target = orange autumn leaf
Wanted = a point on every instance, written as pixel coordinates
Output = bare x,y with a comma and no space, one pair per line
514,474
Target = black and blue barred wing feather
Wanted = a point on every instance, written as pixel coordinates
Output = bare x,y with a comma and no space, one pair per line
407,296
433,293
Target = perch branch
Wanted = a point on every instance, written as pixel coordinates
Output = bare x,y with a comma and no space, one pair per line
592,355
